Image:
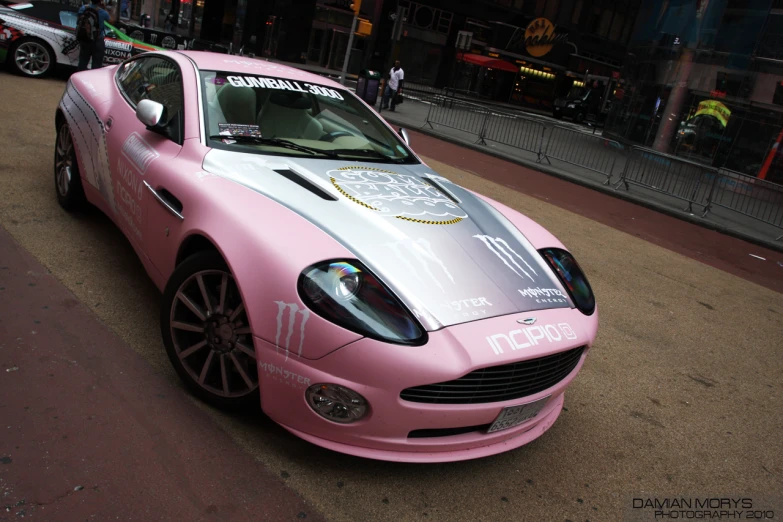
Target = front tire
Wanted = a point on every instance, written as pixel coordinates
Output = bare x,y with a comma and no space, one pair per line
206,332
580,117
67,181
32,57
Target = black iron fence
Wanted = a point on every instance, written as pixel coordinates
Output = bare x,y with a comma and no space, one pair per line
676,177
487,124
749,196
514,131
459,115
582,150
673,176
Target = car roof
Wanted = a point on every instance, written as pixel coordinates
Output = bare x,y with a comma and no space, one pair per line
253,66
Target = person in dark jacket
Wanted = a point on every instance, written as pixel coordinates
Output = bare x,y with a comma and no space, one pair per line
93,51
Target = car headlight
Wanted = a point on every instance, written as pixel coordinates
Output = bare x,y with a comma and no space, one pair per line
348,294
572,277
570,105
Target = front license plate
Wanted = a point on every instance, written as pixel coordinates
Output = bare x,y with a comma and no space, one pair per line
512,416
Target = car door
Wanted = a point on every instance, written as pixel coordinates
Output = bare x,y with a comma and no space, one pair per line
139,155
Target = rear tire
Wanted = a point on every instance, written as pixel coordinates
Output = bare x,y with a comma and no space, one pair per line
67,181
32,57
207,335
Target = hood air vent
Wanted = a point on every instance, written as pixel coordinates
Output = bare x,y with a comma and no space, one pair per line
446,192
305,183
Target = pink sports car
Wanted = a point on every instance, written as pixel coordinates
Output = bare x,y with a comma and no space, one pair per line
310,260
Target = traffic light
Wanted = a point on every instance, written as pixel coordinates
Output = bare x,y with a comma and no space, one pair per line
363,27
356,5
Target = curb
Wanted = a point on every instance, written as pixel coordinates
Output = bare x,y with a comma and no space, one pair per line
553,171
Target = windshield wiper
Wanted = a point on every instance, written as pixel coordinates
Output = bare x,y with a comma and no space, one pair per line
277,142
367,152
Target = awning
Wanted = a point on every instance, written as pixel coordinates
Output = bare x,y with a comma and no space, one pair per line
486,61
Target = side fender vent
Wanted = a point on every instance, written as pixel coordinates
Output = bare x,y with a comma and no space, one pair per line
305,184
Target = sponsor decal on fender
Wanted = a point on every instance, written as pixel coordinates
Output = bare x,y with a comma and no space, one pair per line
119,46
531,336
278,373
294,313
139,152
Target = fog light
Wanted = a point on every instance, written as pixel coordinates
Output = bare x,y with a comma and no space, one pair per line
336,403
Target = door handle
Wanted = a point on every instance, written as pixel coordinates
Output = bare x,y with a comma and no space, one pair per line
165,202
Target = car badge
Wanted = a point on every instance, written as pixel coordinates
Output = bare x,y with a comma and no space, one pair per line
528,321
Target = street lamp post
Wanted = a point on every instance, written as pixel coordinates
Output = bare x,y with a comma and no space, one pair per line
355,6
399,19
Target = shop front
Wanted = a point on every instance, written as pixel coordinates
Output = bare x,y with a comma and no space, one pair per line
533,67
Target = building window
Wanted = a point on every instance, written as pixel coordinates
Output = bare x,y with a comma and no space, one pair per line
577,12
777,98
629,23
616,32
431,18
605,23
593,18
552,9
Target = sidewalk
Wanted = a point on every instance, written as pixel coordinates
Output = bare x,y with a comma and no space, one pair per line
91,431
413,114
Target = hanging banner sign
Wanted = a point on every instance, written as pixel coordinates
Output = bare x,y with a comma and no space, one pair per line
538,39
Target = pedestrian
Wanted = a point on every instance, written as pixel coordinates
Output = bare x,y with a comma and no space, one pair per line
168,25
393,86
90,31
124,9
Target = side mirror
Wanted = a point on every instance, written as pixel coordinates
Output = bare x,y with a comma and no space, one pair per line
405,137
150,113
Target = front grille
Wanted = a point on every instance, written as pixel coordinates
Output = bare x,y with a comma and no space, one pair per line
499,383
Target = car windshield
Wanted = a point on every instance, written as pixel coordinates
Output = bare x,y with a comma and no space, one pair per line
577,93
269,115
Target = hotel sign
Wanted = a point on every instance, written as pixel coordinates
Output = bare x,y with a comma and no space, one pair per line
538,39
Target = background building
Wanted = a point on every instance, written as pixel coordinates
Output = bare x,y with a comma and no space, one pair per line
704,80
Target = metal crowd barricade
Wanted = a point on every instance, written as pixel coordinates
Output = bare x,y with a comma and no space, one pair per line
747,195
459,115
583,150
515,131
422,92
676,177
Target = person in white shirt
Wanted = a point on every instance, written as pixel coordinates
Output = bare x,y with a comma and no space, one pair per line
393,86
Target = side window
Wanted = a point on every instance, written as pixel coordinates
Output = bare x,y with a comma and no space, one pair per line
158,79
68,19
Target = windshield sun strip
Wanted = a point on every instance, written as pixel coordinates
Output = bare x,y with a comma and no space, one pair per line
410,157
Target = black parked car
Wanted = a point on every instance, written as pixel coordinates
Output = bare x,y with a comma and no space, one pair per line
579,103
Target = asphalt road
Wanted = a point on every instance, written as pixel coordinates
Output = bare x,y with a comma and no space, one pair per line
681,395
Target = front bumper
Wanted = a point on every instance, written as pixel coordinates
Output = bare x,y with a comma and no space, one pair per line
565,111
380,371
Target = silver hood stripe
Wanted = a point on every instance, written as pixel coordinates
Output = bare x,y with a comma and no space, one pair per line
449,256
